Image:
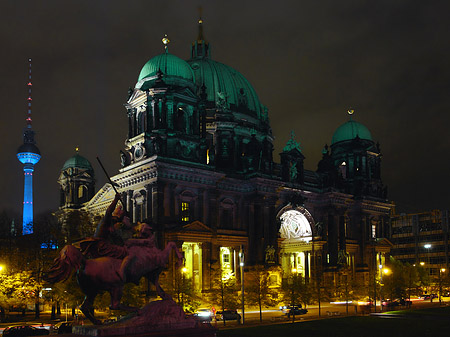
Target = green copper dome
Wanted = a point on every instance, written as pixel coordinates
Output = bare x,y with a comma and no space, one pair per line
77,161
170,65
349,131
225,84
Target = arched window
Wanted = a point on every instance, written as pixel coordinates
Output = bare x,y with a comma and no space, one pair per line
179,122
187,206
226,219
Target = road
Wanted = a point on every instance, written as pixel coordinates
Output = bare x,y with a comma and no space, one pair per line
327,310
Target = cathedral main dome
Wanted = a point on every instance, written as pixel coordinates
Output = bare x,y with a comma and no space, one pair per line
350,130
223,83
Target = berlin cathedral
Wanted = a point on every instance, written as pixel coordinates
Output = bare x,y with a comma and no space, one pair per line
198,161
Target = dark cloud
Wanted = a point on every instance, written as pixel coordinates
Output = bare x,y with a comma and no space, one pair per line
308,61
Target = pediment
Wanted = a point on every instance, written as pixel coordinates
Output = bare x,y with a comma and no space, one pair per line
105,194
295,153
197,227
383,242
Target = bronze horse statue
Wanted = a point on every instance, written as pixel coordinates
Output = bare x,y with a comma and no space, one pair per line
110,274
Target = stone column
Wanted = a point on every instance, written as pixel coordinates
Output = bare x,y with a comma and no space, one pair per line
154,194
251,234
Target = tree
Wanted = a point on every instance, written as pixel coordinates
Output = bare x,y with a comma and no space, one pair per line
295,290
258,290
403,280
77,225
17,290
225,292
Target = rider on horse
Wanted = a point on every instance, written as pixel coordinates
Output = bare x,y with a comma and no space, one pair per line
110,236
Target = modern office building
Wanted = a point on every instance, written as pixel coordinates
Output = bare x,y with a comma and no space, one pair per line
422,238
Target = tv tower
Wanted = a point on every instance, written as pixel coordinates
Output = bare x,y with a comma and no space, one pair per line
28,154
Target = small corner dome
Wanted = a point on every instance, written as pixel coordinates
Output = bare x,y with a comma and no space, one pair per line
77,161
350,130
170,65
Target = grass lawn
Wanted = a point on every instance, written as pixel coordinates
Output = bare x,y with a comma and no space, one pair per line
421,323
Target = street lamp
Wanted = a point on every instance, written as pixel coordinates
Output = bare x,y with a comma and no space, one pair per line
293,299
427,246
241,267
385,271
183,286
442,270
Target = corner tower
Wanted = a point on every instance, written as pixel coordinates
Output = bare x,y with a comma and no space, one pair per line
28,154
77,181
357,159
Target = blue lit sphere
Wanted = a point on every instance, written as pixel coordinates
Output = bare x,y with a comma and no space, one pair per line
28,154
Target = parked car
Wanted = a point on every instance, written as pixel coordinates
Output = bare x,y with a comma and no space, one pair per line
228,315
396,303
23,331
63,327
203,315
429,296
295,309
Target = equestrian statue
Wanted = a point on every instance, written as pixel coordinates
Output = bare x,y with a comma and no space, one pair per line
112,258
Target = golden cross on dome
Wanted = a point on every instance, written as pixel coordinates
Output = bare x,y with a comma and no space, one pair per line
165,40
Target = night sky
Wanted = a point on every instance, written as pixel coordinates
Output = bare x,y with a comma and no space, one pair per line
309,61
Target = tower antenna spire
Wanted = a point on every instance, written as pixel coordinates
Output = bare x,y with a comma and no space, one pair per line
30,98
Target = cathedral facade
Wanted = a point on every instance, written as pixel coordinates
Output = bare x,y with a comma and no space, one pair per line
198,161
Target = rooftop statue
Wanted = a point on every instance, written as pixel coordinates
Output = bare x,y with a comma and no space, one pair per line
103,265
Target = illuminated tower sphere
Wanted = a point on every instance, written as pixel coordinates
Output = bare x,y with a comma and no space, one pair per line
28,154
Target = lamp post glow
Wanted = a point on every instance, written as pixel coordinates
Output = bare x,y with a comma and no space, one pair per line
427,246
183,286
385,271
241,266
441,270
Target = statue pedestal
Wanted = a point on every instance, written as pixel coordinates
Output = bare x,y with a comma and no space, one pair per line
156,319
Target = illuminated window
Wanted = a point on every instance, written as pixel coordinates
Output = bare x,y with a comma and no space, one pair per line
374,231
226,258
343,169
185,212
80,192
273,280
295,226
207,157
